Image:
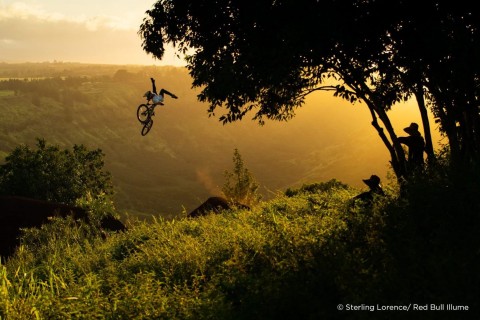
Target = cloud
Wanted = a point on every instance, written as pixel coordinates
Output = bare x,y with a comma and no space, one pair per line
7,41
29,33
22,11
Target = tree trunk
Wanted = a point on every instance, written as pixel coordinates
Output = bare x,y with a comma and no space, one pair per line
419,95
470,136
400,154
397,160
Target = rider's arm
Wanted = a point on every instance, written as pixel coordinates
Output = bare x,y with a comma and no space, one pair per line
154,88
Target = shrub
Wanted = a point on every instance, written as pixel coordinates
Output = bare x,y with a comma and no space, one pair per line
240,185
49,173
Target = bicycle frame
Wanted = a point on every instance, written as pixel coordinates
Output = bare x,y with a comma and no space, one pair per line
145,112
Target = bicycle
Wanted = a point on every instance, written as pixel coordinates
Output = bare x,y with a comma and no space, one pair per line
145,112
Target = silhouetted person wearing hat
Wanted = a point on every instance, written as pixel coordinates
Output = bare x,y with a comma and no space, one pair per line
375,189
416,145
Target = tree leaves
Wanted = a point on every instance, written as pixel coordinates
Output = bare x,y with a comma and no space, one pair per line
266,57
52,174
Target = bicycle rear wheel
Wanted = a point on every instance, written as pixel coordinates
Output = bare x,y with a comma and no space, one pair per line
147,126
143,113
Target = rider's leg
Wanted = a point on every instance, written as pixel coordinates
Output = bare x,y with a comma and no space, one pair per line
163,91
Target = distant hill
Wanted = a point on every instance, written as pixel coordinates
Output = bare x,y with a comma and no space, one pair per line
181,161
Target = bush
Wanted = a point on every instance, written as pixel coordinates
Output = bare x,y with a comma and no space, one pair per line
49,173
431,235
240,185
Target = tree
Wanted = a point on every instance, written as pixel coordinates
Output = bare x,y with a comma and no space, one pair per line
240,185
269,55
49,173
436,48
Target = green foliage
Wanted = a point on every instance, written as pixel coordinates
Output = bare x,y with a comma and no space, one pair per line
240,185
287,258
52,174
98,206
294,257
316,188
62,89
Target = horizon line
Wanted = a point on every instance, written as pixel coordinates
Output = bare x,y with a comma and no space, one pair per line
91,63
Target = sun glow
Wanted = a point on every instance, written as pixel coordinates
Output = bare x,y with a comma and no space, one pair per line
87,31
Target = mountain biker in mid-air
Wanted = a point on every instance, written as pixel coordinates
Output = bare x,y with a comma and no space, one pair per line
157,98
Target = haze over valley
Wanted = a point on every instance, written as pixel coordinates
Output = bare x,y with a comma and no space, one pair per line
182,160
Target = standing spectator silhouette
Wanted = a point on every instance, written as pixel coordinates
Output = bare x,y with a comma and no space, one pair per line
416,145
375,189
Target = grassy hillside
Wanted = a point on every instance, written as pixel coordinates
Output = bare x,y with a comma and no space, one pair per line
292,256
297,256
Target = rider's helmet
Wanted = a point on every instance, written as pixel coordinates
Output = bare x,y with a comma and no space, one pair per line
148,95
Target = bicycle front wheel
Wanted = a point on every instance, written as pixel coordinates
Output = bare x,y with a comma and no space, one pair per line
143,113
147,126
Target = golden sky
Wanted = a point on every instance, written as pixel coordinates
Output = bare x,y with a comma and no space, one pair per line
88,31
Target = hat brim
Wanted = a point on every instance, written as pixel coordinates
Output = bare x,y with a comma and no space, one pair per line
371,183
410,130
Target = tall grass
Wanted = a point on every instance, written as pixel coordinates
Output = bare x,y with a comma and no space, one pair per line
295,257
284,257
